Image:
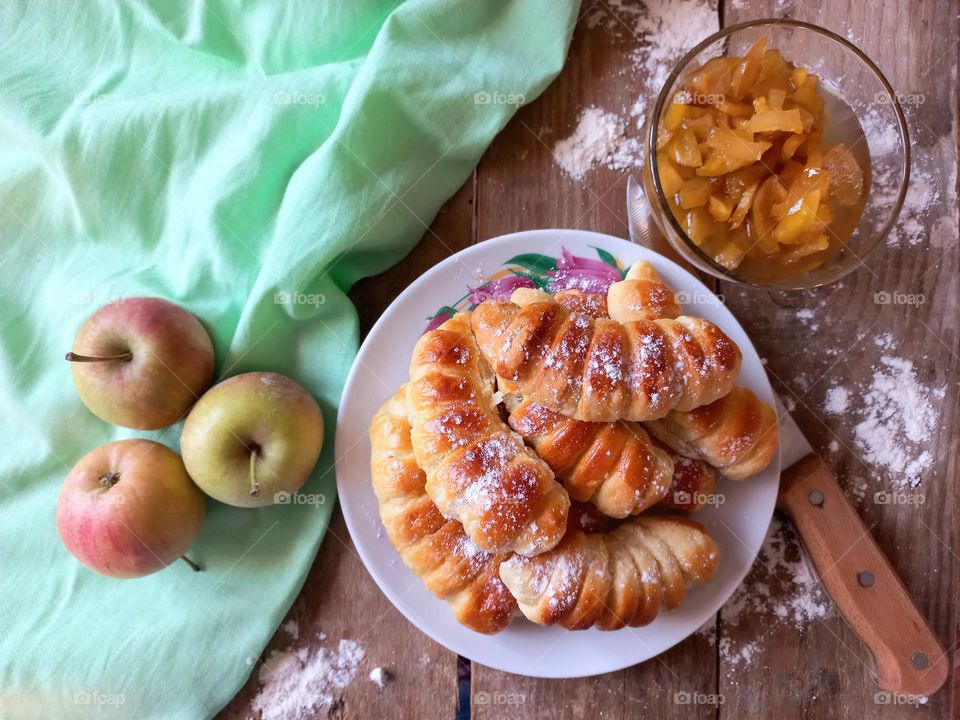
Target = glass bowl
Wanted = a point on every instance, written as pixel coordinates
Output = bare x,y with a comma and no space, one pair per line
862,111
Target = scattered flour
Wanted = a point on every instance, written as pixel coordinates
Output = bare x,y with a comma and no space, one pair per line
735,654
600,138
899,414
856,487
882,137
895,415
291,628
809,318
297,682
379,677
929,208
708,631
838,399
780,590
666,29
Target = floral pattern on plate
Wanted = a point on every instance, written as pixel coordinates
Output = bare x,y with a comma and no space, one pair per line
544,272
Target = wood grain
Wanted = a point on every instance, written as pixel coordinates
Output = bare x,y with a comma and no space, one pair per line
339,598
822,670
864,587
818,670
520,186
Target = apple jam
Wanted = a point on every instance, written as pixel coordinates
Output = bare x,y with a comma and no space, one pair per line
743,163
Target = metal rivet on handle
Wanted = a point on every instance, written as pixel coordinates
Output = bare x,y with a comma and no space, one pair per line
920,660
865,578
816,498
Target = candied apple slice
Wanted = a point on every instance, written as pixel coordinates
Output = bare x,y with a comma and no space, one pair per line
675,116
700,226
776,121
685,149
846,177
798,220
776,97
774,74
694,193
670,179
791,145
713,78
770,193
730,152
700,126
719,208
808,98
730,255
743,205
815,244
748,70
735,109
736,183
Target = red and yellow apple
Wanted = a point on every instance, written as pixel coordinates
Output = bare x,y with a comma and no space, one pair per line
128,509
141,362
251,437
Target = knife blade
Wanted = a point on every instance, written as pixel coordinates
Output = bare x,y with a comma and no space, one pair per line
638,213
863,585
794,446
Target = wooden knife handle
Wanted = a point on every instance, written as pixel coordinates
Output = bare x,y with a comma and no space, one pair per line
861,582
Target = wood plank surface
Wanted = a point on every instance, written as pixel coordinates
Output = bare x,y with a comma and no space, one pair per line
762,665
520,186
339,598
822,670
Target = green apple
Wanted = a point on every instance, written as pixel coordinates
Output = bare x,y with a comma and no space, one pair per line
141,362
128,509
251,437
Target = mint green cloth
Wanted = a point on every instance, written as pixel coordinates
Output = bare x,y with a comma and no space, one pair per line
249,161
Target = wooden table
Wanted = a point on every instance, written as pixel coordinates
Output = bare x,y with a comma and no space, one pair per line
820,670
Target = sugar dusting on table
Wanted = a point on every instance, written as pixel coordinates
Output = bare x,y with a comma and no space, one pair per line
930,205
299,681
781,589
600,138
894,415
666,29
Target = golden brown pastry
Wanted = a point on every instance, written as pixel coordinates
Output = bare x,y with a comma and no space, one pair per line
641,295
577,451
478,470
592,304
601,370
435,549
737,434
609,580
613,465
694,481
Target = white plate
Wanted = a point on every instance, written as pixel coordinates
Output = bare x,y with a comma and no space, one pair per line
738,525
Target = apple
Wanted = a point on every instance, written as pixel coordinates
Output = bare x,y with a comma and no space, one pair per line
128,509
251,437
141,362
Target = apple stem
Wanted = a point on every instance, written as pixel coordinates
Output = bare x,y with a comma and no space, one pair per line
109,479
191,563
74,357
254,485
